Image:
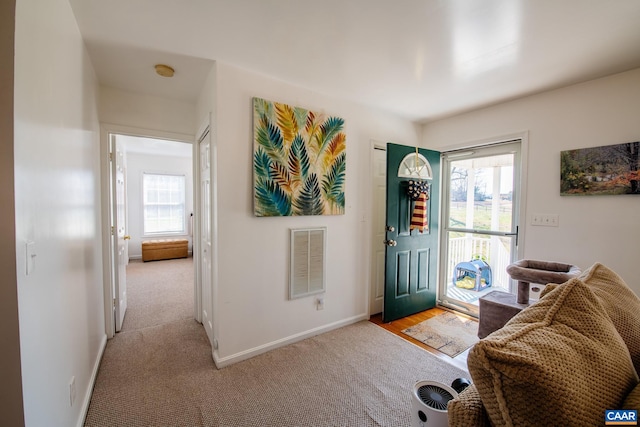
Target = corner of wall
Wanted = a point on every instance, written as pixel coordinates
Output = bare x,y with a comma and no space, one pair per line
11,405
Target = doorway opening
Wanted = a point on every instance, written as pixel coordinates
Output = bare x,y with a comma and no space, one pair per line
481,195
150,196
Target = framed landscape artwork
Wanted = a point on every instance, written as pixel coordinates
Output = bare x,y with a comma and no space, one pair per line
605,170
299,161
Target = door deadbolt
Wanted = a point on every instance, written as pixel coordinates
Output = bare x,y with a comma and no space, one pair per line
390,228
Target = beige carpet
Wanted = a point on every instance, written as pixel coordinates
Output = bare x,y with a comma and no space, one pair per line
163,375
158,292
447,332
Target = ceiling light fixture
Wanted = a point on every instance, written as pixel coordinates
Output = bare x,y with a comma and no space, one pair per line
164,70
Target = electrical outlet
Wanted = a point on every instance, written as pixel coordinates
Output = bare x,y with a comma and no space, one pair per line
320,303
72,391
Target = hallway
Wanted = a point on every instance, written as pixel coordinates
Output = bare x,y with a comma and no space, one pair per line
159,292
142,365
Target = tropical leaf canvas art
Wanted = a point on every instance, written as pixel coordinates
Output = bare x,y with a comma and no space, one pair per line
299,161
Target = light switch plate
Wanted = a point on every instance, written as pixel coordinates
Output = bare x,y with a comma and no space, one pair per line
31,257
545,220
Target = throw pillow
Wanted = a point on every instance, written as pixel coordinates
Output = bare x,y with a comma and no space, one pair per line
632,401
558,362
619,301
621,304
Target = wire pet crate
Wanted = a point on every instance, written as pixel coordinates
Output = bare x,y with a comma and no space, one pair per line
472,275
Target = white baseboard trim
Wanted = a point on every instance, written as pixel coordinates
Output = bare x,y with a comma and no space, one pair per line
247,354
92,382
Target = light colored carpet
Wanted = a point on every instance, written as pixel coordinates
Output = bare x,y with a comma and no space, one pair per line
447,332
163,375
158,292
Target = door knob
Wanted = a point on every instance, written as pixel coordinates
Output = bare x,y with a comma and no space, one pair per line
390,228
127,237
390,242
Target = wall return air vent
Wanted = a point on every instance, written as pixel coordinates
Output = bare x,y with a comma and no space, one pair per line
307,275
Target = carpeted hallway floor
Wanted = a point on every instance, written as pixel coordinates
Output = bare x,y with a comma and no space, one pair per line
161,373
158,292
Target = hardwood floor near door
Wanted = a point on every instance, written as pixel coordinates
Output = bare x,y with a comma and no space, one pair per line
397,326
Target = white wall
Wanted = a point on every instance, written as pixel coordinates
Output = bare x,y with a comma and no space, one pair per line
206,103
135,114
137,164
146,112
251,309
600,112
57,184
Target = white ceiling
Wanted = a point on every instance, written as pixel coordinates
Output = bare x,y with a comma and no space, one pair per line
422,59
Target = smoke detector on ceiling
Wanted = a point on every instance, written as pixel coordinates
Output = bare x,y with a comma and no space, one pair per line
164,70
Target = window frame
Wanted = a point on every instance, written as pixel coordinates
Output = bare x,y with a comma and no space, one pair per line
184,206
516,145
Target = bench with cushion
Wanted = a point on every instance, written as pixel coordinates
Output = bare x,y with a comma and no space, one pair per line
153,250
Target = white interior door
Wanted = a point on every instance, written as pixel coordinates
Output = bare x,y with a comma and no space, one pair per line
118,165
378,171
205,233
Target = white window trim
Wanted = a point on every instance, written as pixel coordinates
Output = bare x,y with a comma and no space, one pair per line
467,149
184,231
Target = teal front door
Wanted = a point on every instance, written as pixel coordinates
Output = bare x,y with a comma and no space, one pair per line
411,255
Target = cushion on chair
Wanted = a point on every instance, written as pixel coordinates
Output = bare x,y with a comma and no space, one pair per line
559,362
467,410
632,401
619,301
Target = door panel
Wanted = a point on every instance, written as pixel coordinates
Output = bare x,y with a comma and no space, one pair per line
205,234
403,266
423,269
119,225
410,256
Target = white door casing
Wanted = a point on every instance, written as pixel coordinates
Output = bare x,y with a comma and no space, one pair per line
378,178
498,240
108,134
